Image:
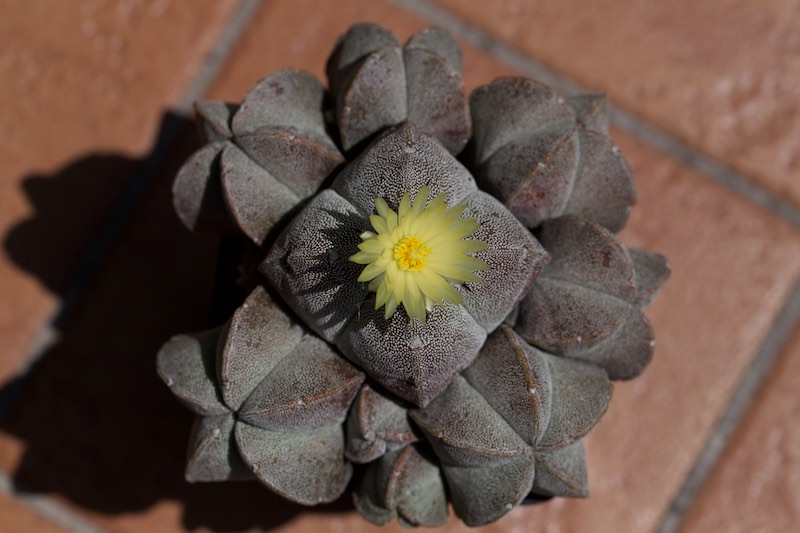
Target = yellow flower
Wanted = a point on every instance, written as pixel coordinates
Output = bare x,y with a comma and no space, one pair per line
416,254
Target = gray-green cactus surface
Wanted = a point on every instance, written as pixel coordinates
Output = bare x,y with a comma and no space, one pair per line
441,301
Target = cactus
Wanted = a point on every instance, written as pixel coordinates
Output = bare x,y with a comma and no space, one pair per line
444,302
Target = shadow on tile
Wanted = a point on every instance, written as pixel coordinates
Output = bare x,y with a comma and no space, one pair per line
70,208
99,428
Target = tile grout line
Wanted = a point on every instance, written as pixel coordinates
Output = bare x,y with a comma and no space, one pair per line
485,41
749,190
46,507
100,247
770,350
787,320
219,54
768,353
48,335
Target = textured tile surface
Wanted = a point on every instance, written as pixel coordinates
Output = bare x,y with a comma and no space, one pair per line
94,426
85,84
720,74
301,34
119,455
707,331
16,518
755,485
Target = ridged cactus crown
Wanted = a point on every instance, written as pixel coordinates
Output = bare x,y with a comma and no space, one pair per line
440,303
415,254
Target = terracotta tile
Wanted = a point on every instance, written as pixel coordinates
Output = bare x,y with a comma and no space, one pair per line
755,485
729,280
705,321
85,85
722,74
302,34
15,517
119,456
94,427
12,448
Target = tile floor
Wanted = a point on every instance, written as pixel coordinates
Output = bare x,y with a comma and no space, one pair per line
706,103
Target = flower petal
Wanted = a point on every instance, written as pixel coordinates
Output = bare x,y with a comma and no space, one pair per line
372,246
364,258
379,224
371,271
412,298
381,294
436,288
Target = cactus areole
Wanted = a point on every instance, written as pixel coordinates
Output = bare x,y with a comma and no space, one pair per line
415,254
442,323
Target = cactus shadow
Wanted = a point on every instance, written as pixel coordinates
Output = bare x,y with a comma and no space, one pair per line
334,272
90,422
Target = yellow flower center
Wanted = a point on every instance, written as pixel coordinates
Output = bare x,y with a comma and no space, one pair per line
410,253
418,255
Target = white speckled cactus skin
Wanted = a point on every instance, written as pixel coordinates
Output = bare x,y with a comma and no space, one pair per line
486,401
